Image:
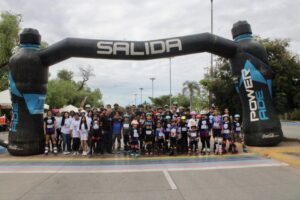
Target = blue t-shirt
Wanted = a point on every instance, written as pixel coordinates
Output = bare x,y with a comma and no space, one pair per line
116,127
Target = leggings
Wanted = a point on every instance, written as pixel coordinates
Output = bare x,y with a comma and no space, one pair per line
76,144
205,141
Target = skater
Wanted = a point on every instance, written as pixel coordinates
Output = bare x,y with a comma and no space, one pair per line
94,137
203,126
49,131
237,133
160,138
116,131
126,134
83,130
134,138
193,139
226,131
149,134
182,144
167,131
173,137
66,133
217,128
75,134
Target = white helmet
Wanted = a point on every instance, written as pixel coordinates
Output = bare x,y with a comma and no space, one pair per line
237,116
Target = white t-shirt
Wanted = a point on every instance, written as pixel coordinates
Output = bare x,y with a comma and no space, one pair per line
66,127
83,130
58,122
75,128
89,122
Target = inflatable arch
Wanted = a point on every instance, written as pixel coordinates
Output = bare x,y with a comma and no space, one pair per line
28,76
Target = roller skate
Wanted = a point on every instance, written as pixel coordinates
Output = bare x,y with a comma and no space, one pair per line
203,151
55,151
245,149
46,151
207,151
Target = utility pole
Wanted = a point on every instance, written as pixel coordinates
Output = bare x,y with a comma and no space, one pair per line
170,65
152,79
141,95
211,55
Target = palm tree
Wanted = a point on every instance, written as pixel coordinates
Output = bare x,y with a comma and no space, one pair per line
190,88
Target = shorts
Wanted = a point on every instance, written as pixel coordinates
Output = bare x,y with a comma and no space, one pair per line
148,138
226,136
50,132
217,133
83,136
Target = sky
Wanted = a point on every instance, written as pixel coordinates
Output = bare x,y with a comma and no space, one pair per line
147,20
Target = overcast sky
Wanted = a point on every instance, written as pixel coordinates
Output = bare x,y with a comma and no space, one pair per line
146,20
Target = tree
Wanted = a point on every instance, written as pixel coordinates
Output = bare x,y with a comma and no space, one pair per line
161,100
191,88
286,87
86,73
9,29
65,75
64,91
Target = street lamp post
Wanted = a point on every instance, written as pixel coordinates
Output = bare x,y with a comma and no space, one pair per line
211,55
141,95
152,79
135,99
170,65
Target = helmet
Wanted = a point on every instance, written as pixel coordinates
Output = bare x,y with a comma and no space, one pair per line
237,116
198,116
183,118
193,113
226,115
126,116
148,114
168,117
134,122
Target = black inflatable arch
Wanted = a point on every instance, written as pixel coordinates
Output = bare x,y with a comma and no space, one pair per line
28,76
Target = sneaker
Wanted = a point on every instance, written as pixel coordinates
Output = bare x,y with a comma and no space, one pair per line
66,152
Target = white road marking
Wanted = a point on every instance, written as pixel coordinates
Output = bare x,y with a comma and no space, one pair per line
170,180
65,170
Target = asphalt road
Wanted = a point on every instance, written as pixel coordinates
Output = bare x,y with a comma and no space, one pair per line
232,177
240,177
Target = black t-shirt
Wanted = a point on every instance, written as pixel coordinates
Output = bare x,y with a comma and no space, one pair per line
106,123
49,122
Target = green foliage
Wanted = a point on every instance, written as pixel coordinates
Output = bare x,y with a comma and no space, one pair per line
65,75
161,100
9,29
286,65
286,87
191,88
63,91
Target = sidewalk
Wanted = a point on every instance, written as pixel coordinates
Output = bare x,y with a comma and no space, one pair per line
291,130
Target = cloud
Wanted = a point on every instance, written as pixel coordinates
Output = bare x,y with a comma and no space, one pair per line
146,20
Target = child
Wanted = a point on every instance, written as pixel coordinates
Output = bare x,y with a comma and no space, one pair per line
95,133
149,134
83,130
167,131
237,133
134,137
173,137
126,133
226,130
203,126
75,133
183,135
217,128
160,137
194,137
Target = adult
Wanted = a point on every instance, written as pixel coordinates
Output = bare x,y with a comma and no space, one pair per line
106,121
49,131
66,132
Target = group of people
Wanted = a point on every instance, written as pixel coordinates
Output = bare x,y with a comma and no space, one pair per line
150,131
